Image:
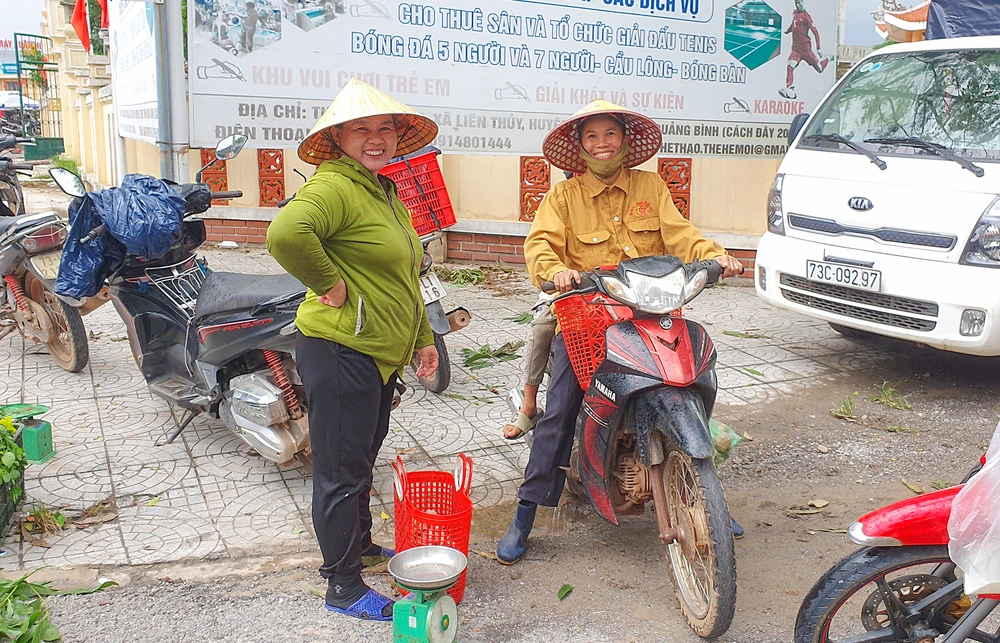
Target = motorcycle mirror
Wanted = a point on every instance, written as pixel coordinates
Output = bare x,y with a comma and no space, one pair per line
230,146
68,181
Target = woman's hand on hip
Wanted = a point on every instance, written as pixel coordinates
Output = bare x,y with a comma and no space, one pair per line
336,297
428,361
731,266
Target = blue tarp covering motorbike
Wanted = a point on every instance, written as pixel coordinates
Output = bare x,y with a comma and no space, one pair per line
957,18
143,218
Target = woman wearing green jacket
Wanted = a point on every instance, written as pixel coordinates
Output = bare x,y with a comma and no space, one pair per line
349,239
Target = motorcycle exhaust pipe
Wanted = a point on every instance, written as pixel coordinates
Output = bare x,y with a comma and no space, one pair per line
90,304
459,319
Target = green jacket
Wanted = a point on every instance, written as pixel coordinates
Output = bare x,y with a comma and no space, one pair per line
341,225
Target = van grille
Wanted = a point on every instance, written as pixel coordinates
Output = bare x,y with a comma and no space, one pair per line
876,316
901,304
888,235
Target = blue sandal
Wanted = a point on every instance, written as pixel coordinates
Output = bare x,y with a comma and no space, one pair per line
370,607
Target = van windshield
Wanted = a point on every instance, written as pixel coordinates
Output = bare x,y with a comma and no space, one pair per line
945,98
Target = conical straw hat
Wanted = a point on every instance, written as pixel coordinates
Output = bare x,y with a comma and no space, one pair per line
562,145
359,100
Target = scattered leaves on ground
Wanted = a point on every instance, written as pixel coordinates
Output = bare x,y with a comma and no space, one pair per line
523,318
819,503
24,616
486,356
565,591
753,371
912,487
745,335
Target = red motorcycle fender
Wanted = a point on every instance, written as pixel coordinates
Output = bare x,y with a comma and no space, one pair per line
679,414
921,520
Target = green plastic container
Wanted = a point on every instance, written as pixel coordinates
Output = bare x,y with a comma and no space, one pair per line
44,149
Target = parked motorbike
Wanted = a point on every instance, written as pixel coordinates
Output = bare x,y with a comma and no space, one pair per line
30,247
901,587
16,122
11,196
642,433
441,323
216,342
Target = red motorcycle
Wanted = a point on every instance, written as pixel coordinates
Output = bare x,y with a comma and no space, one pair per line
642,433
901,587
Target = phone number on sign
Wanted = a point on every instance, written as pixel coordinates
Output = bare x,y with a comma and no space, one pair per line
473,142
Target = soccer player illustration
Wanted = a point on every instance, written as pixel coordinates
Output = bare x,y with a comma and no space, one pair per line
802,50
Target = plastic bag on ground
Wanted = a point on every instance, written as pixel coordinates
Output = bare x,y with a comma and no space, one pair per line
974,526
143,218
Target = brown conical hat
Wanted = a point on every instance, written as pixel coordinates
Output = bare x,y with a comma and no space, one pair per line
562,145
360,100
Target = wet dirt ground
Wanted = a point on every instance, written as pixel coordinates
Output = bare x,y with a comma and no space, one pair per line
799,452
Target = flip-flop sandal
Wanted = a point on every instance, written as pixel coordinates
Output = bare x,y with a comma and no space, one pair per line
522,423
370,607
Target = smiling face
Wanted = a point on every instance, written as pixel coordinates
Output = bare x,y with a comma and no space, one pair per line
370,141
601,136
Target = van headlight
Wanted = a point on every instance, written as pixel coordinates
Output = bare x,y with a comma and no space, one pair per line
775,213
656,295
983,248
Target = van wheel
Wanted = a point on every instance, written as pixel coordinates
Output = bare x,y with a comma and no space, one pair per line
852,333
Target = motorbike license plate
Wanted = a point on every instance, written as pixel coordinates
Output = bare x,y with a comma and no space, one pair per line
431,288
47,264
863,278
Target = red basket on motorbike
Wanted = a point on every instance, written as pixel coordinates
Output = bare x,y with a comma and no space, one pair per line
434,508
421,189
583,320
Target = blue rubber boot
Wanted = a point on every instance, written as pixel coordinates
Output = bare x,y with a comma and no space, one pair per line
514,543
737,529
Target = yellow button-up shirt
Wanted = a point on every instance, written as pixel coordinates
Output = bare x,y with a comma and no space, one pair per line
582,224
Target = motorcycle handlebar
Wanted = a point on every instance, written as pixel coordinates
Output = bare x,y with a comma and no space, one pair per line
713,267
24,140
22,166
93,234
227,194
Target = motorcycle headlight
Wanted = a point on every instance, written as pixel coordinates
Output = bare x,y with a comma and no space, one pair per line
654,295
775,212
983,247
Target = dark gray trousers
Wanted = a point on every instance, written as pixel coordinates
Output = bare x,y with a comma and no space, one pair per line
348,420
554,433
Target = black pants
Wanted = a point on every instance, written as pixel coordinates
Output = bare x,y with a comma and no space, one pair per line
543,479
348,420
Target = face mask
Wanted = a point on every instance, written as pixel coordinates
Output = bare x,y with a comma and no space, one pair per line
608,168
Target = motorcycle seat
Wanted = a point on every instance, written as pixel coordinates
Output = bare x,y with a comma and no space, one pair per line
225,292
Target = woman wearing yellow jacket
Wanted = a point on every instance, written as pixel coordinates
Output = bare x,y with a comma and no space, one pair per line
349,239
604,215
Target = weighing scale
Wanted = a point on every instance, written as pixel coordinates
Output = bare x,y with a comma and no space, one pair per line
428,614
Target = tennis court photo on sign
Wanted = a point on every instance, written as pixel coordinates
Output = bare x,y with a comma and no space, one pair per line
753,32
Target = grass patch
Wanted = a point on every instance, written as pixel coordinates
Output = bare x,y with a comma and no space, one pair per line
845,411
889,396
66,164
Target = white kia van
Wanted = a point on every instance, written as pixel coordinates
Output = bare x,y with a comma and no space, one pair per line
885,214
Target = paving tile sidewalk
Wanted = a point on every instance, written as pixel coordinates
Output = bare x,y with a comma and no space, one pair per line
207,496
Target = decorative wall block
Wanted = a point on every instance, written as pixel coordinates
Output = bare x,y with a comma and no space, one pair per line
536,179
676,173
215,175
271,176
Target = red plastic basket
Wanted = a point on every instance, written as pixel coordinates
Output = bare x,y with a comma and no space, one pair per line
583,322
434,508
421,189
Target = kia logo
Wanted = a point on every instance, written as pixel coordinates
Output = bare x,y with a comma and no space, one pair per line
860,203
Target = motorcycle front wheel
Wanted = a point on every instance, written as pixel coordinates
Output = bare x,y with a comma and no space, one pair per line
68,345
702,559
441,378
859,599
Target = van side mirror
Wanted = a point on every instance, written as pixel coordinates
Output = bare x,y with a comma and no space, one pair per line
797,123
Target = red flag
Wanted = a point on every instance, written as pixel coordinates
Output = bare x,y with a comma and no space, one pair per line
104,13
80,23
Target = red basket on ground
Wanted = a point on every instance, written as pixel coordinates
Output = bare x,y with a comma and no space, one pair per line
421,189
583,322
434,508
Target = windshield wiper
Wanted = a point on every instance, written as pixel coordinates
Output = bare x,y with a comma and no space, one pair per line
940,150
837,138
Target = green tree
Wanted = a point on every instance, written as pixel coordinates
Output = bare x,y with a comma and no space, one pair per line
94,17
